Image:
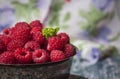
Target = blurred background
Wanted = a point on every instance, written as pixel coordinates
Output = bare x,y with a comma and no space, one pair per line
93,25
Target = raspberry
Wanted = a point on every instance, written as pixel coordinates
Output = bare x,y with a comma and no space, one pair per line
14,44
2,46
1,36
21,32
7,58
38,37
54,43
64,37
22,25
36,29
57,55
40,56
7,32
68,0
5,39
69,50
44,46
12,30
32,45
36,23
23,56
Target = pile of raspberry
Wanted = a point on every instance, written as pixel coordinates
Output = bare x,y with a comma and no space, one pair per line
33,44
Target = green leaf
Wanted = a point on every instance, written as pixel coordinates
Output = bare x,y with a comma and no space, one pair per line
64,26
94,10
67,17
116,37
92,17
49,32
80,46
84,14
54,20
102,47
55,12
25,10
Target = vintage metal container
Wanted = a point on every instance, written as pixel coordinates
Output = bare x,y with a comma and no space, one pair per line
56,70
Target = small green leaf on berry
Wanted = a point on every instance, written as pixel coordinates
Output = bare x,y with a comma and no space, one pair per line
48,32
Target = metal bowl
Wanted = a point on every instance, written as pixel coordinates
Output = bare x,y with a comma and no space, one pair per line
51,70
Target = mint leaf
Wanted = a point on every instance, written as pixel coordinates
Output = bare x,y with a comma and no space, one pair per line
49,32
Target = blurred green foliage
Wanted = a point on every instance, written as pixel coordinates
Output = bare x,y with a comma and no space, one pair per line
92,17
25,10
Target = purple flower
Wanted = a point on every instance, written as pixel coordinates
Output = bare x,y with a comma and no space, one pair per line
91,57
7,17
85,35
7,9
102,4
95,53
79,53
44,4
4,26
103,33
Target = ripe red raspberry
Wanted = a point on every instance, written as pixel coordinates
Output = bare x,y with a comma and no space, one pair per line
2,46
5,39
23,56
21,31
54,43
22,25
36,23
64,37
57,55
7,31
69,50
32,46
68,0
12,30
40,56
38,37
1,36
36,29
7,58
14,44
44,46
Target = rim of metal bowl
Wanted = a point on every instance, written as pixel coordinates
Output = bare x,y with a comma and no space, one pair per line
36,65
